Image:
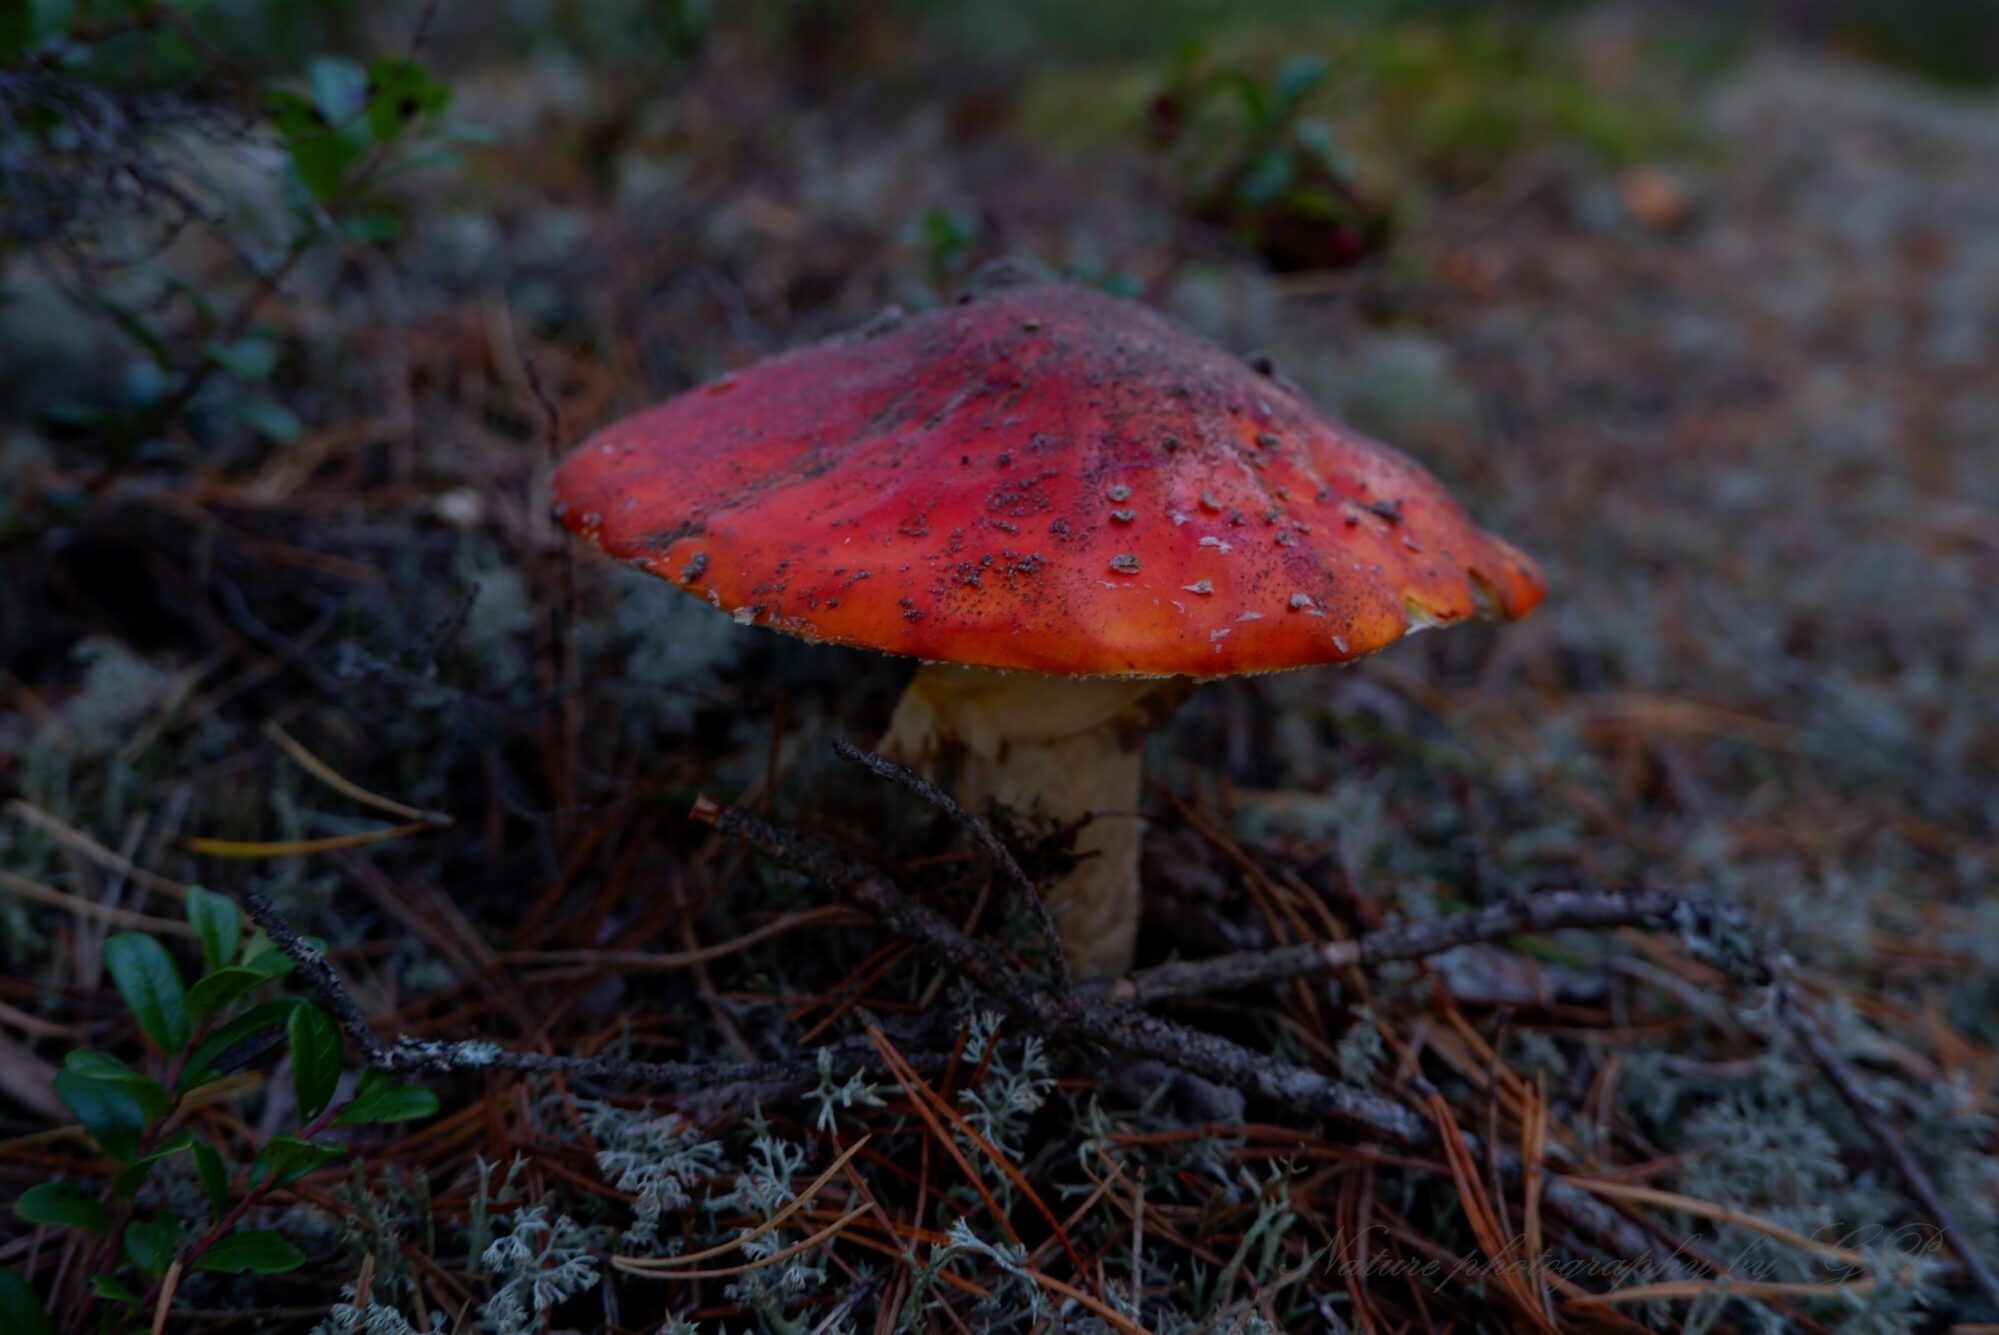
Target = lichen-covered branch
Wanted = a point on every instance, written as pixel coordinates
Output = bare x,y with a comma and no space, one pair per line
1546,912
443,1055
1001,856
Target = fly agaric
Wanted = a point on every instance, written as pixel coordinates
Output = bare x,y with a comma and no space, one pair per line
1070,509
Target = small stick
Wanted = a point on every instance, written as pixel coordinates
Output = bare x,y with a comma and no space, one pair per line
1914,1180
442,1056
1317,959
1001,855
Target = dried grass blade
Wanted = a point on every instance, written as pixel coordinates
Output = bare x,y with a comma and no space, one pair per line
78,842
1480,1215
85,908
292,848
1734,1288
991,1151
660,1264
636,1266
343,785
1721,1214
911,1083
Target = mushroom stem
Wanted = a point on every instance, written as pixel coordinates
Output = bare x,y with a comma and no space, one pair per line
1061,749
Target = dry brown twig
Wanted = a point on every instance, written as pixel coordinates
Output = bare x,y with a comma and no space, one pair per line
1001,856
1915,1181
1545,912
443,1056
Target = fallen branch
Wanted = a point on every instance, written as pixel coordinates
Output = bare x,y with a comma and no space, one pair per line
442,1056
1915,1181
1002,856
1095,1020
1545,912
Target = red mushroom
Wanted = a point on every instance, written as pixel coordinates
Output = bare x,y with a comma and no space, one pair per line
1069,508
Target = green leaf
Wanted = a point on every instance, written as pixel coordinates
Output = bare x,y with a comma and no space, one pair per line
402,93
213,991
216,923
234,1043
62,1205
150,1093
147,978
1295,81
321,164
108,1286
339,88
150,1243
268,418
109,1110
377,225
315,1048
261,955
321,152
1268,176
31,26
256,1251
1321,144
126,1185
286,1159
384,1102
250,358
214,1175
1255,109
21,1310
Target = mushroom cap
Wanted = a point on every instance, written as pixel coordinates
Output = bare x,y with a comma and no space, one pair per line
1044,478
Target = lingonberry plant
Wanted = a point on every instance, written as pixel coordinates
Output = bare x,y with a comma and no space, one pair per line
137,1240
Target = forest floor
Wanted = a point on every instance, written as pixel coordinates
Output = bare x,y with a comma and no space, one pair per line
1718,349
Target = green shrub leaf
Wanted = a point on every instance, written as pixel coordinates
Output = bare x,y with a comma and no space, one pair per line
150,1243
404,92
110,1287
251,358
126,1185
384,1102
315,1048
286,1159
214,1177
256,1251
147,978
217,925
268,418
110,1111
211,992
339,89
62,1205
150,1093
21,1310
32,25
321,150
239,1041
266,958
